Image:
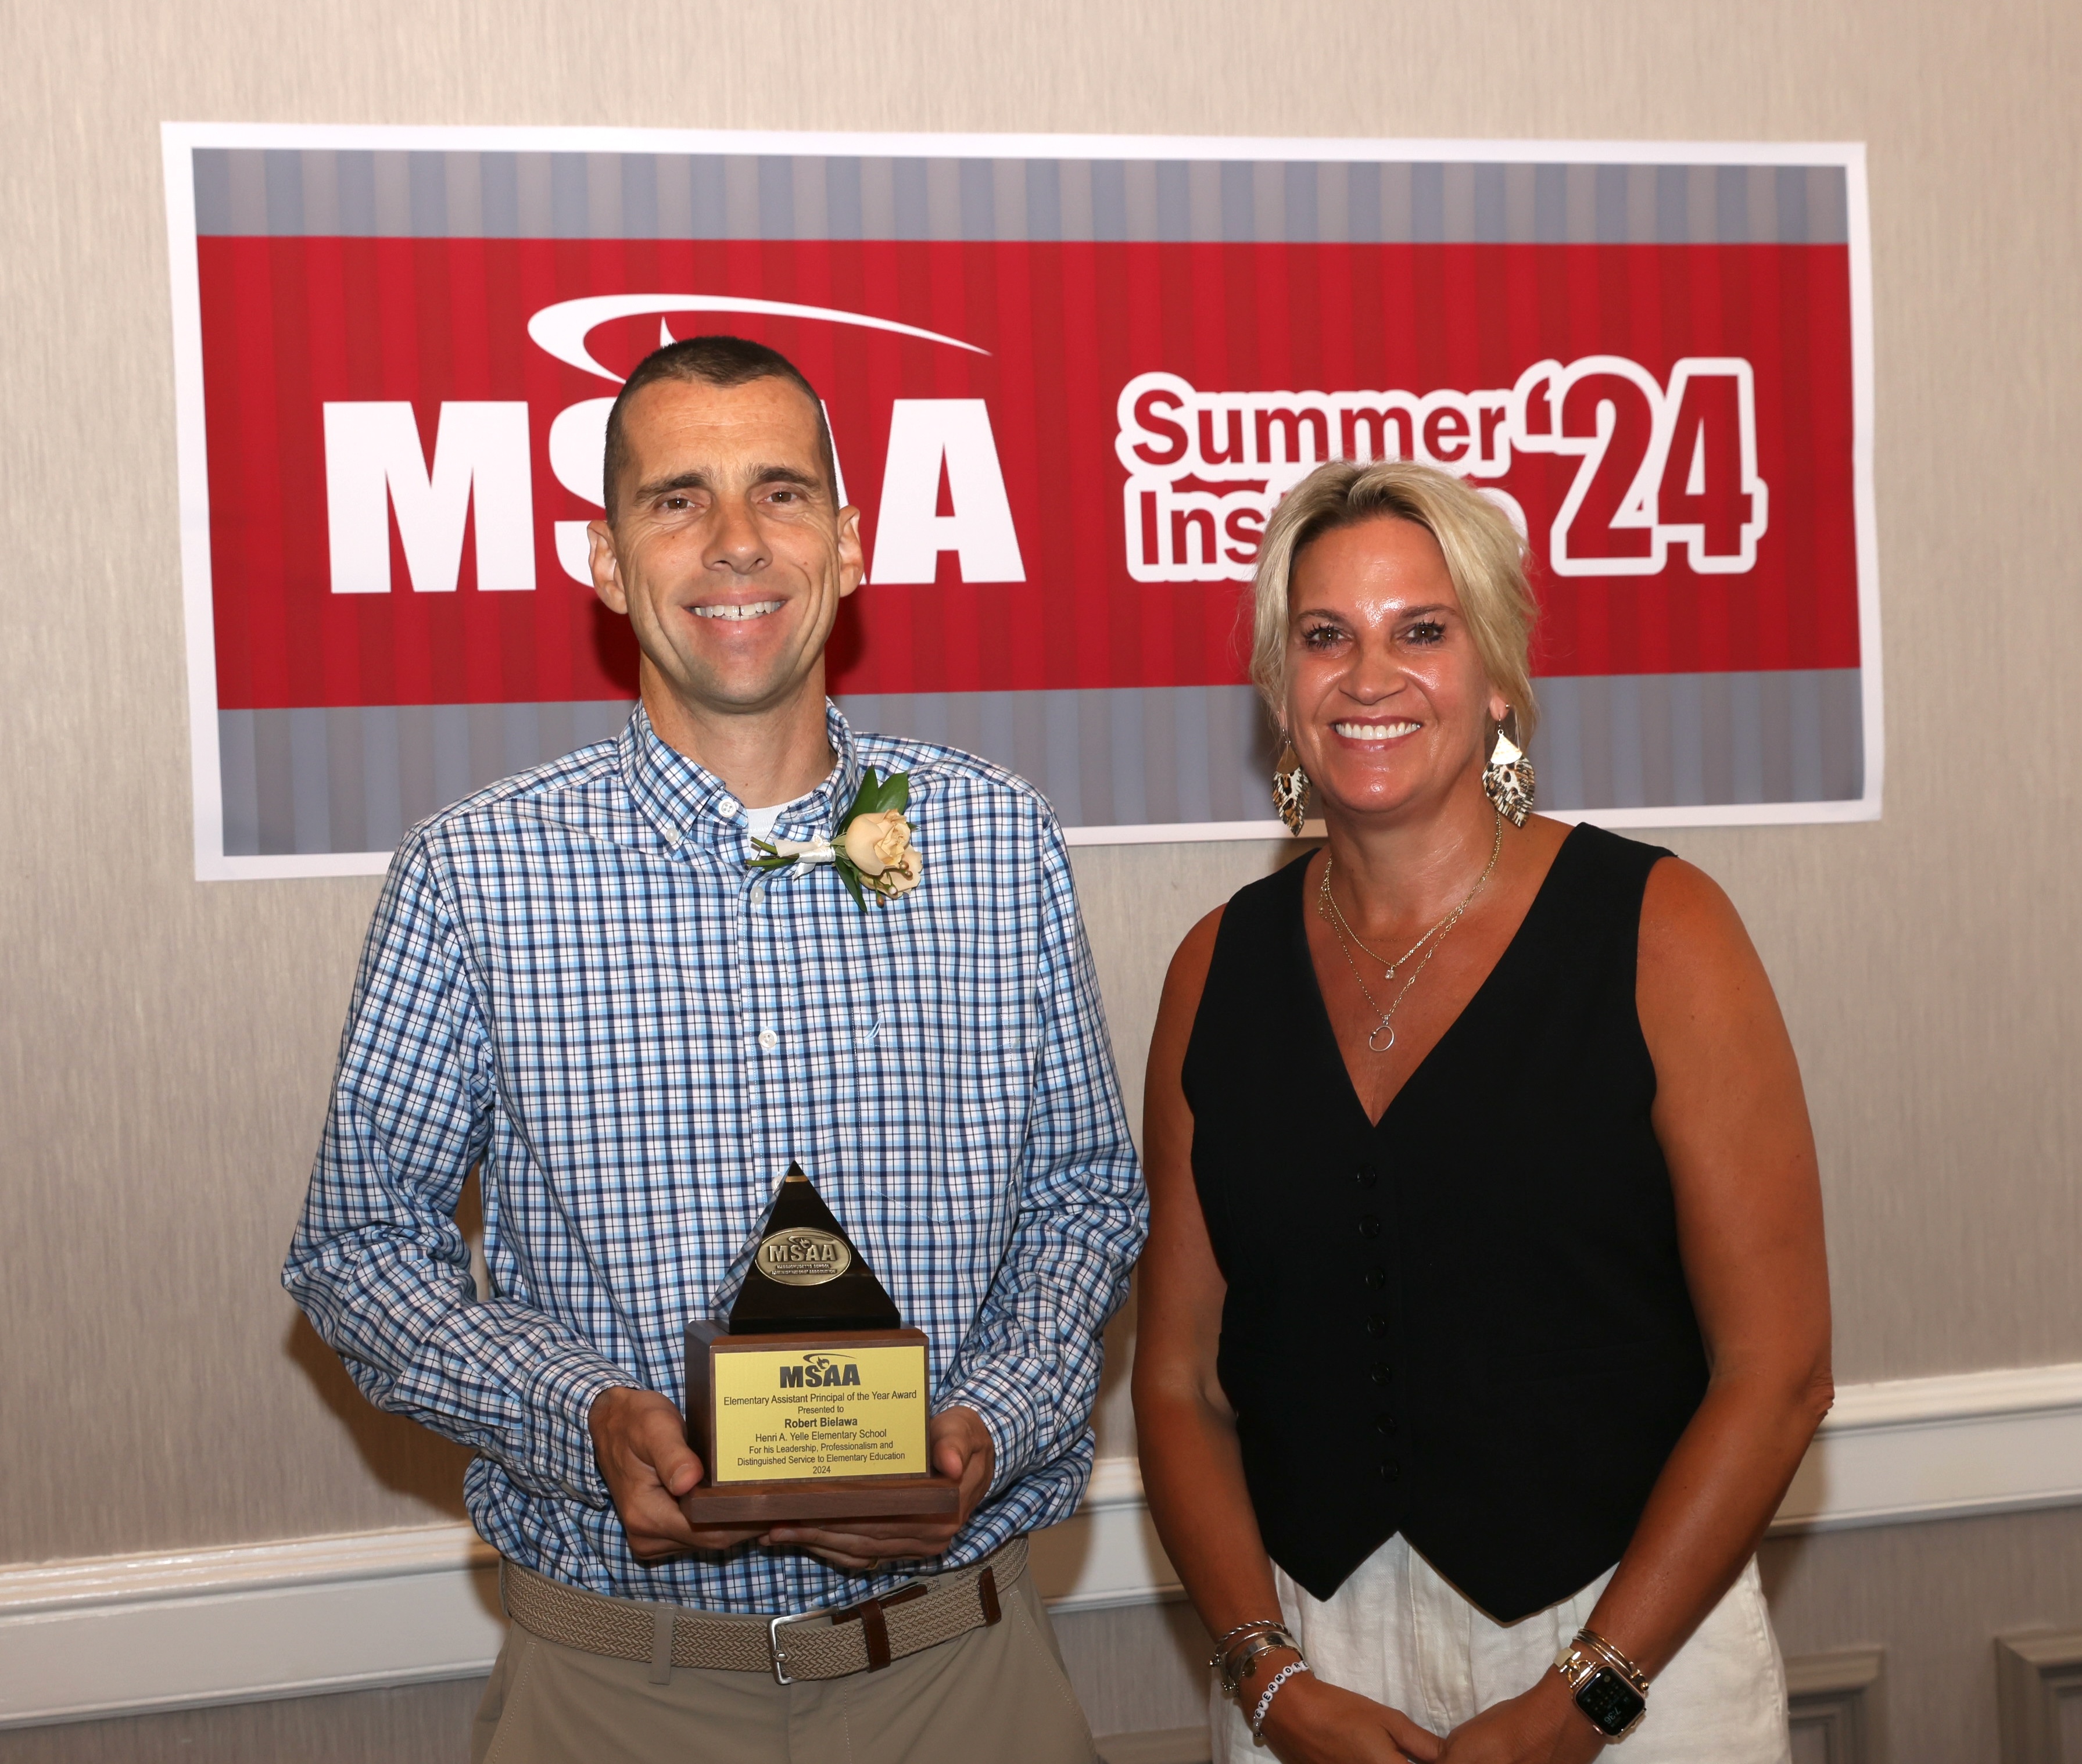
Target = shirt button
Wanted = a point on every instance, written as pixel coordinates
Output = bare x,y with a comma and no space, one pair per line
768,1040
1366,1176
1384,1423
1380,1373
1376,1279
1391,1471
1376,1327
1370,1226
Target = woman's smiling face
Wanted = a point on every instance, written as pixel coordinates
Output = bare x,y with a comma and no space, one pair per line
1387,701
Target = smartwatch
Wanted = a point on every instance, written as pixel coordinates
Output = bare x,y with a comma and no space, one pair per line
1606,1685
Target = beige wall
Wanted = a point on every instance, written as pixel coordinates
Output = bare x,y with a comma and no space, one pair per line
164,1045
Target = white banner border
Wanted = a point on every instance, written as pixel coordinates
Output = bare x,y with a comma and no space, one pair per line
179,140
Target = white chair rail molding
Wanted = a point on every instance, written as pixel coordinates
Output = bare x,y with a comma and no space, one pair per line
115,1635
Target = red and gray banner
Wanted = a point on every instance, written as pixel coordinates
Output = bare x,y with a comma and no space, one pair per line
1067,379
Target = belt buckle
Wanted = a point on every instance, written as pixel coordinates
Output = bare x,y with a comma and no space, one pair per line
773,1644
837,1614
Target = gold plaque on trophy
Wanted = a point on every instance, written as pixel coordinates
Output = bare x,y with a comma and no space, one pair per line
819,1410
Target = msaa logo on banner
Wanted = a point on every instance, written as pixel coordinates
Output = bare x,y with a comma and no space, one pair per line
480,478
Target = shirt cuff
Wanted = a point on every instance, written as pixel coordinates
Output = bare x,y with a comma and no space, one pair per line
1005,1401
558,1404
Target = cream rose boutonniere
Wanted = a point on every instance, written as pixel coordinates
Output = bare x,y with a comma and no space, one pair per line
879,847
873,853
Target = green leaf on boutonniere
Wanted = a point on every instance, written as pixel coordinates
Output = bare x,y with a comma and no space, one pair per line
851,878
877,796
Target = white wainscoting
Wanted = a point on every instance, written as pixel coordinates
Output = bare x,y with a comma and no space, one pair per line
115,1635
1937,1448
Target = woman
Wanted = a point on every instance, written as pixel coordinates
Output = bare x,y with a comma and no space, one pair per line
1485,1316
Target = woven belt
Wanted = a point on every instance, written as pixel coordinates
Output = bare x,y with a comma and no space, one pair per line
816,1644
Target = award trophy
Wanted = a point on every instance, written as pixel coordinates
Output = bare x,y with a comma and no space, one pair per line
811,1405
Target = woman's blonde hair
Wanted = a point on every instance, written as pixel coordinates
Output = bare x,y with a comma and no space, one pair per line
1483,555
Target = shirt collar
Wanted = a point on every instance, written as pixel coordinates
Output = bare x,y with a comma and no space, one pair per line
686,801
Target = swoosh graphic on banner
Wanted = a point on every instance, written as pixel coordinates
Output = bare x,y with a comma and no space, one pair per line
562,330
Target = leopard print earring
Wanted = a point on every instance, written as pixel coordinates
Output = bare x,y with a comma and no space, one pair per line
1507,779
1290,790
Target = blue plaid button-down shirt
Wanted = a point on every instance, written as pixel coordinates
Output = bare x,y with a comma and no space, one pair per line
573,981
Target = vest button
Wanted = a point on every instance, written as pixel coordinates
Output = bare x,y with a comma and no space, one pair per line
1381,1373
1370,1225
1391,1471
1376,1326
1376,1278
1366,1176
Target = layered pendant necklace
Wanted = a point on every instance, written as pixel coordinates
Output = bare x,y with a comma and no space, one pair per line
1332,914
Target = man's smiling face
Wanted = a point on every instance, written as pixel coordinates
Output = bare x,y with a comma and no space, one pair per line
727,549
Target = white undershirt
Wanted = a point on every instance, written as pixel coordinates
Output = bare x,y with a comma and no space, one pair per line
758,822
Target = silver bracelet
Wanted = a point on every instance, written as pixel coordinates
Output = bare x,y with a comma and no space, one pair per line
1272,1691
1612,1657
1256,1623
1236,1665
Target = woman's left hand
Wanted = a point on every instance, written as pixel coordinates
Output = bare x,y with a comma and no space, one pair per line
1541,1726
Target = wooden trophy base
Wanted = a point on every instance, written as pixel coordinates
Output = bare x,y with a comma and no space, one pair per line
821,1498
786,1426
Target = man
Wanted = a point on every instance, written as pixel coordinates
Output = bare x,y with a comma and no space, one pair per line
575,982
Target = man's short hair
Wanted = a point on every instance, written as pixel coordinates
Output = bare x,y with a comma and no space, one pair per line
714,361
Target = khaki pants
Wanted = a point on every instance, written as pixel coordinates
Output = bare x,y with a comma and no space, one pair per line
996,1693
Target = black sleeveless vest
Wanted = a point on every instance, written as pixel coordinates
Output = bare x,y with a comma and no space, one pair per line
1468,1323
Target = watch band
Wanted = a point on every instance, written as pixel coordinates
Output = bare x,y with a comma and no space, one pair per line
1610,1689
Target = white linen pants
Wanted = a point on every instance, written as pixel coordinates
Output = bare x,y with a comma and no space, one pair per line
1397,1632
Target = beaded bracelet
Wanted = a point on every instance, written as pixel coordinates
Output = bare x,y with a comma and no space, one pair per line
1272,1691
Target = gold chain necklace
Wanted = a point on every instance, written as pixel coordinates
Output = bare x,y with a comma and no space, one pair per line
1326,897
1328,910
1327,907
